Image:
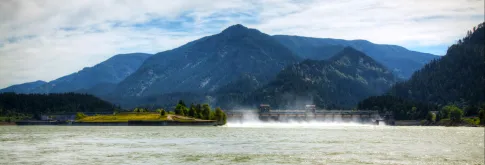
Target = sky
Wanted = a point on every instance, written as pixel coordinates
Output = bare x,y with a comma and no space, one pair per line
47,39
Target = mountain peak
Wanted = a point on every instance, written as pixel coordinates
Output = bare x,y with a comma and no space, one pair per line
352,57
237,30
349,52
236,27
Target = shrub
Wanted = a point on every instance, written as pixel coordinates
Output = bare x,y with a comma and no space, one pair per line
481,116
219,116
456,114
80,116
206,112
431,117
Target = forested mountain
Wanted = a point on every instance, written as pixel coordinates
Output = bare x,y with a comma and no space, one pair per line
209,63
402,109
12,104
339,82
112,70
23,88
401,61
457,78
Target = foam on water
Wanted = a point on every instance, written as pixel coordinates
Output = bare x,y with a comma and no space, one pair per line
251,120
296,124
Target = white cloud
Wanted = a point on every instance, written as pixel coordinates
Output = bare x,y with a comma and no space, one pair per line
46,39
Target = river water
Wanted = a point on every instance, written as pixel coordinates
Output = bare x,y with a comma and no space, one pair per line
241,144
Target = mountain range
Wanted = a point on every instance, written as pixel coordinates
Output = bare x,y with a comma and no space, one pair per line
206,64
242,63
399,60
113,70
339,82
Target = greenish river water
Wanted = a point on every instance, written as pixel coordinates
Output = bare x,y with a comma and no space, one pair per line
241,144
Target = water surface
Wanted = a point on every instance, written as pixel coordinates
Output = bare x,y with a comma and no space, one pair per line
241,144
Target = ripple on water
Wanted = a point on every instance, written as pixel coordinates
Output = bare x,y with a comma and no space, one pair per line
241,145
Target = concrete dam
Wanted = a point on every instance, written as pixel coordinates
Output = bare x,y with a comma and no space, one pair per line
310,113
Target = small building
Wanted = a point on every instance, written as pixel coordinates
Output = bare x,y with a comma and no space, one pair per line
310,108
264,108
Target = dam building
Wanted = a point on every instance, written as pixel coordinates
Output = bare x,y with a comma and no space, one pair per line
310,113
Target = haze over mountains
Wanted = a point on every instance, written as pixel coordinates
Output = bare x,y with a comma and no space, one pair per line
238,61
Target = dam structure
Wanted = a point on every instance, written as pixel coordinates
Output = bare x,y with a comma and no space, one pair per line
309,113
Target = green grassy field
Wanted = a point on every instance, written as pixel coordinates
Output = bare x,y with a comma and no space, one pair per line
124,117
147,116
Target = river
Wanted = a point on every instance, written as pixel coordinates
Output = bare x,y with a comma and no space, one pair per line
241,144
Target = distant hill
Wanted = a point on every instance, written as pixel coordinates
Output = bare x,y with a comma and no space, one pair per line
17,105
339,82
401,61
457,78
23,88
112,70
206,64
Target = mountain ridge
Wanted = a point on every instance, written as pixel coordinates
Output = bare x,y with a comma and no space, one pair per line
208,63
401,61
339,82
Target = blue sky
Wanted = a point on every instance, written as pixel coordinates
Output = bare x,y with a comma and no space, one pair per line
47,39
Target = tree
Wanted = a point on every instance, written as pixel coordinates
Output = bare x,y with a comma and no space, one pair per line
198,111
192,110
181,102
162,112
218,116
470,110
446,110
431,117
180,110
206,112
80,116
456,114
224,118
481,116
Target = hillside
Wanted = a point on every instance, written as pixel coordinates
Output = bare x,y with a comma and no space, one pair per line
457,78
401,61
339,82
23,88
112,70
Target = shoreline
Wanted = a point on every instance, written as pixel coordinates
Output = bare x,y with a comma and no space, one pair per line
127,123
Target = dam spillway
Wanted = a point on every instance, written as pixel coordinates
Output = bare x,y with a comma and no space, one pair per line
309,113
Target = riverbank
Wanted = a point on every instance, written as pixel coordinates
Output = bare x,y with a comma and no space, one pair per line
465,122
7,123
127,119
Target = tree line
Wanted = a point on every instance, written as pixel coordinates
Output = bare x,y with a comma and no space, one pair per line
199,111
21,106
203,111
